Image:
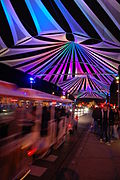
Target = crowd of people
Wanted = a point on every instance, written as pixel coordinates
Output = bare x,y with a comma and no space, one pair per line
106,123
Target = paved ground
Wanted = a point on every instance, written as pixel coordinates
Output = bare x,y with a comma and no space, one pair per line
96,161
82,157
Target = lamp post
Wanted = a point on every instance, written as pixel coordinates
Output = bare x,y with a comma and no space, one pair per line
118,82
67,95
31,81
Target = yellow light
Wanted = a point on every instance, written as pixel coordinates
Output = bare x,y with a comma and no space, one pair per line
63,97
117,78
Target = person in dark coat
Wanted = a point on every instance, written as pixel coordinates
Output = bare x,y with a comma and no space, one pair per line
111,123
45,119
99,121
105,124
116,124
96,116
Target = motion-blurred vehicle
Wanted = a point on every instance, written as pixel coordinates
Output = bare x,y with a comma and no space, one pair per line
31,123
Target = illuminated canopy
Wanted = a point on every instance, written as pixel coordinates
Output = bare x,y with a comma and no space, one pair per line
73,45
85,84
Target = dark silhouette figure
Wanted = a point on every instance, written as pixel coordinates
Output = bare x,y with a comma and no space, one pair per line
45,119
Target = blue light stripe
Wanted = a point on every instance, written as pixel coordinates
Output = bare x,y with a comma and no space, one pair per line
33,15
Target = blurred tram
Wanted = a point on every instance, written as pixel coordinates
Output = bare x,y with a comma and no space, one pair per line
31,123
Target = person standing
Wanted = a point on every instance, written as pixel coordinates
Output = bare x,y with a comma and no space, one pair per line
95,117
99,121
76,122
116,122
111,123
105,124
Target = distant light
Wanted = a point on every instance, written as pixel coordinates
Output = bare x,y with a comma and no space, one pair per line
14,100
31,79
53,93
63,97
86,109
117,78
50,103
53,102
69,125
4,110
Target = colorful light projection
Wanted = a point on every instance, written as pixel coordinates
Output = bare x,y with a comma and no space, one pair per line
85,85
59,60
41,17
49,55
79,17
17,29
91,95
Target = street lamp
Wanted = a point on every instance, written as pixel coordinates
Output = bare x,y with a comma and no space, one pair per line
118,82
31,81
68,95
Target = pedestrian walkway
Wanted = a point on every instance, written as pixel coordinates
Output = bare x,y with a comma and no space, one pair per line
95,160
80,158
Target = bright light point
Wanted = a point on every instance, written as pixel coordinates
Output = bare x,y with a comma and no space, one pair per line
53,93
117,78
67,95
63,97
4,110
86,110
31,79
69,125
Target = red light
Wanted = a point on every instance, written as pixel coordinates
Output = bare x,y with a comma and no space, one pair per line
31,152
14,100
69,125
54,102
